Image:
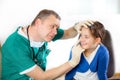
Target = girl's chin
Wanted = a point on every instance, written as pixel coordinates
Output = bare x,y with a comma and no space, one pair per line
84,47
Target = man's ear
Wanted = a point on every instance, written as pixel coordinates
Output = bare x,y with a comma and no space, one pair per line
37,22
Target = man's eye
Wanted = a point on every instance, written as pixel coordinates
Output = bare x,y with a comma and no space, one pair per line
54,26
51,26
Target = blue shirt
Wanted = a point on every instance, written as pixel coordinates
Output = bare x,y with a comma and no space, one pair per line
99,64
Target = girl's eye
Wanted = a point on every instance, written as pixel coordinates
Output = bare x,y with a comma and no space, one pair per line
86,37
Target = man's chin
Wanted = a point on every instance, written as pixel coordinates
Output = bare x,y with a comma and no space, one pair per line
49,40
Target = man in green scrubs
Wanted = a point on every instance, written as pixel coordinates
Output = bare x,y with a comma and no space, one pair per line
24,52
0,61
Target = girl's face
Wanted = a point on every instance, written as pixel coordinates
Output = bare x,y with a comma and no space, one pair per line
87,40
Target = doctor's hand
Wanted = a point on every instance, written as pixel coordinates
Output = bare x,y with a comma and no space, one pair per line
86,23
76,54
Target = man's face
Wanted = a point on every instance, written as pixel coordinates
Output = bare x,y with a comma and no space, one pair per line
48,28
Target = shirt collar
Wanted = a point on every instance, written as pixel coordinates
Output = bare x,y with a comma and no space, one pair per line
32,43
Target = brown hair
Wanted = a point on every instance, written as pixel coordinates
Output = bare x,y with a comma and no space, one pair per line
44,14
97,30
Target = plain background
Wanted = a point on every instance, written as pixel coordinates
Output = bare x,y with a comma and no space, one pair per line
14,13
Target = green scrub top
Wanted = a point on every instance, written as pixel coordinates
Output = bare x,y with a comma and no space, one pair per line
17,56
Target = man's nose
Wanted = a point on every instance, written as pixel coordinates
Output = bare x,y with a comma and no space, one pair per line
54,31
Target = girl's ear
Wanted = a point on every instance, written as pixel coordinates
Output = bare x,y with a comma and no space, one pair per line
98,40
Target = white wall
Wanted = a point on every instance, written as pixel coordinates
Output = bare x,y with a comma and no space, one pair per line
14,13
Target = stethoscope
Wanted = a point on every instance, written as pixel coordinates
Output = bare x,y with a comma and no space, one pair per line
34,56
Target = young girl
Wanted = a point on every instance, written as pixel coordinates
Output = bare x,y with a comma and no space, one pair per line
95,58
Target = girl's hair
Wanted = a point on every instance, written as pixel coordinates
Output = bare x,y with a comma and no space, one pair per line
97,30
